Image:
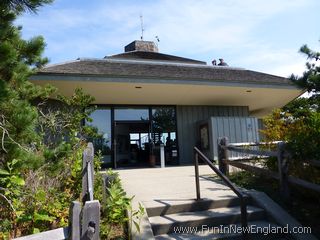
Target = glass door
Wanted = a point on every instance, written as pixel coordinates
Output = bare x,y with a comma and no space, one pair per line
132,143
131,136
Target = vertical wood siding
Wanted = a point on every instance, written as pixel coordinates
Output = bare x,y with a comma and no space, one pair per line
237,129
188,116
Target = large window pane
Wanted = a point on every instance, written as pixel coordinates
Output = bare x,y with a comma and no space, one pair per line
164,120
128,114
164,131
101,121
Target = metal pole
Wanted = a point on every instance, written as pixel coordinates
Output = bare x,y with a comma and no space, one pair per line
244,220
196,165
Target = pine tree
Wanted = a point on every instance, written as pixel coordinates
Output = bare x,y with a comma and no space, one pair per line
310,80
19,58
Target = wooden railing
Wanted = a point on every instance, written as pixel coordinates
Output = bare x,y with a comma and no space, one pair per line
84,218
243,197
283,157
89,227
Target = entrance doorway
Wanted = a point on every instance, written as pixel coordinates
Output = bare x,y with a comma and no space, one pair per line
135,136
132,143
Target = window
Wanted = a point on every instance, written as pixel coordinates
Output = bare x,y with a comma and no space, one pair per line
164,123
131,114
164,131
101,121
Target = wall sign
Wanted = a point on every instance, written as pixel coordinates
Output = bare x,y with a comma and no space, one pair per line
204,137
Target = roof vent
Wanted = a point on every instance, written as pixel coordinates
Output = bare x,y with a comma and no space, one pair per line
139,45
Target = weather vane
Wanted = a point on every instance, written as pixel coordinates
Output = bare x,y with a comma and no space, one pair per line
142,29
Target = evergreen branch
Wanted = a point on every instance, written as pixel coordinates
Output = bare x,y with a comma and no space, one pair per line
9,202
5,132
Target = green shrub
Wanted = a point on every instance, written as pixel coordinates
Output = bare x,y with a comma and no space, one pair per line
302,137
117,212
304,143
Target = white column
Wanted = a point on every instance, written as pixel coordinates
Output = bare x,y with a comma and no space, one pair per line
162,158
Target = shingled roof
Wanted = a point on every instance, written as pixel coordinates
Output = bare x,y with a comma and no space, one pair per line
143,55
161,70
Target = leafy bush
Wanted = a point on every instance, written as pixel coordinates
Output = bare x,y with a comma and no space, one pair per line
304,143
302,137
117,212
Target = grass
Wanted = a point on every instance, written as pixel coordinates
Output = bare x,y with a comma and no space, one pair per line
303,204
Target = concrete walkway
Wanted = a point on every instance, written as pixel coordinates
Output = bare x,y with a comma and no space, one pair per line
158,187
171,183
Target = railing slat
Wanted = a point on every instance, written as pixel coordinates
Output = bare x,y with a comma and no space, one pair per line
87,173
90,181
243,144
252,151
275,175
250,168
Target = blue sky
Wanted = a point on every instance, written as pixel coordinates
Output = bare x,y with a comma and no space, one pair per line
258,35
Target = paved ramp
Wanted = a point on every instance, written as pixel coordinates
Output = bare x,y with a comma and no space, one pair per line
171,183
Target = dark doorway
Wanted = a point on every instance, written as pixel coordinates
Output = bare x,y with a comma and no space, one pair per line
132,143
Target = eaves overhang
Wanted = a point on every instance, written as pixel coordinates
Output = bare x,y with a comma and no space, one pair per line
110,89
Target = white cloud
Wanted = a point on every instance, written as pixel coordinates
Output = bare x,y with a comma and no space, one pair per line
199,29
266,58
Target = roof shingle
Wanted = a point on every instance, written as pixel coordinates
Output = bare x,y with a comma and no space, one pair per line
153,69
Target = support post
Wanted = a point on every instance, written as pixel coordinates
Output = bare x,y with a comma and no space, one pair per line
283,170
74,220
196,166
162,157
91,220
223,155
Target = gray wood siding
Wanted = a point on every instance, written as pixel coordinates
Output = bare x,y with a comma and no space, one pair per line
188,116
237,129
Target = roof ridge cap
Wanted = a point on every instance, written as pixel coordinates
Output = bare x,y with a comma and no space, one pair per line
61,63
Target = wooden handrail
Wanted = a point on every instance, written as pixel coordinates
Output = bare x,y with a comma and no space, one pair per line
251,151
243,197
242,144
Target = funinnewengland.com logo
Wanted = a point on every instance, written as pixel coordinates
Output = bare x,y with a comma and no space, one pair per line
236,229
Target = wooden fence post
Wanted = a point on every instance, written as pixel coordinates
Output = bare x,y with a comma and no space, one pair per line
91,220
87,162
223,155
283,162
74,220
